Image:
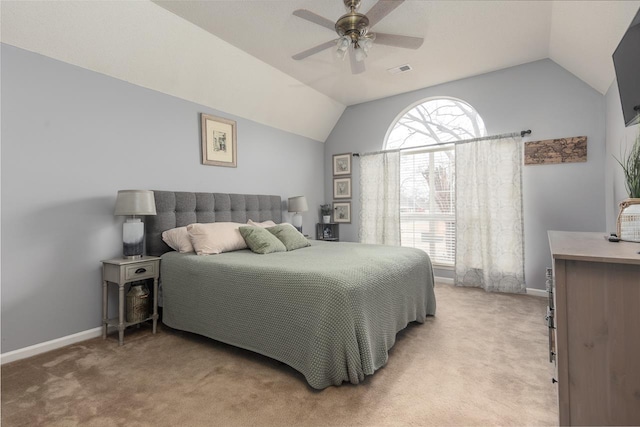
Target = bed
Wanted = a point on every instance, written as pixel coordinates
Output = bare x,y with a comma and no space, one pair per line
331,310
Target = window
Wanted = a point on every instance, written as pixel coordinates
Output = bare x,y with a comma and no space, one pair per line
427,174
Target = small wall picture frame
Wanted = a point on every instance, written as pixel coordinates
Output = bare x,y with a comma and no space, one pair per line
342,212
342,188
342,164
219,141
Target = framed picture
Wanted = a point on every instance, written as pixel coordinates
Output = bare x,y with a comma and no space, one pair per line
342,212
219,141
342,164
342,188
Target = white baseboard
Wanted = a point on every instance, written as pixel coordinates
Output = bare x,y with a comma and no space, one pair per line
537,292
23,353
530,291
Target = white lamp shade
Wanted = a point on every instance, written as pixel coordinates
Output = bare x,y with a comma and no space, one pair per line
135,202
298,204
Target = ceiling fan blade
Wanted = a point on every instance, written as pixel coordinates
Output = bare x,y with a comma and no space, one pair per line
381,9
315,18
357,67
314,50
394,40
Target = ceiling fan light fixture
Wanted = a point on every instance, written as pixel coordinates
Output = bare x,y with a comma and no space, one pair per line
343,46
366,43
360,53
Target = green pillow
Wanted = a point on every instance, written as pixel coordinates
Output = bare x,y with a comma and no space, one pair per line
260,240
288,235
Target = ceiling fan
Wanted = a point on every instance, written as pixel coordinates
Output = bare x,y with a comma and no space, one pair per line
354,35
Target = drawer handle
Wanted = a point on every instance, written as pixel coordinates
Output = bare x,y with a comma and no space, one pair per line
141,270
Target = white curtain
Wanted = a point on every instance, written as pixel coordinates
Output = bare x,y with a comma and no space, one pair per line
489,222
380,198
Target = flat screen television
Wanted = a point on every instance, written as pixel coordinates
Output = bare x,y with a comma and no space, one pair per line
626,61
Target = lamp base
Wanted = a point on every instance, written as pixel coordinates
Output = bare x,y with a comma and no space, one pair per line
132,238
296,221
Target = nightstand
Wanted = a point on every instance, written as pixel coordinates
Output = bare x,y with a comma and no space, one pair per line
122,271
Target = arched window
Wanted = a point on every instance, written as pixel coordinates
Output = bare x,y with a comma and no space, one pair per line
427,172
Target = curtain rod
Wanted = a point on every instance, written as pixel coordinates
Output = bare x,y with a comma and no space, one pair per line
463,141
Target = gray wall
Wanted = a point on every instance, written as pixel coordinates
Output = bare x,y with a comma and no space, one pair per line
71,138
620,139
540,96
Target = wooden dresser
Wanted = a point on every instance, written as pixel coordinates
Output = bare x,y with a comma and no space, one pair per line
596,338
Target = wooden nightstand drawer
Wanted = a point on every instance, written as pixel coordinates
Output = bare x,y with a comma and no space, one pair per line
140,271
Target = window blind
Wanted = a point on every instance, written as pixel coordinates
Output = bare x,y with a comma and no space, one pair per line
427,202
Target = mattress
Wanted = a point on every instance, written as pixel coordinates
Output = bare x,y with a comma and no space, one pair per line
331,310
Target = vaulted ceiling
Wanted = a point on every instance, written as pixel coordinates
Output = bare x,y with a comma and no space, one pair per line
462,39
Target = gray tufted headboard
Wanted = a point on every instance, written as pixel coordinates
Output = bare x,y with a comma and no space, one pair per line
178,209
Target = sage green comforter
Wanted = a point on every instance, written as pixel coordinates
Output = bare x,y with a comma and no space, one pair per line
331,311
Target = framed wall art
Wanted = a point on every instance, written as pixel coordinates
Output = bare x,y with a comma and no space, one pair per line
342,212
342,188
342,164
219,141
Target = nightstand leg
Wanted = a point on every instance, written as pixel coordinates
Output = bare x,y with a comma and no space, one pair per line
155,304
104,309
121,314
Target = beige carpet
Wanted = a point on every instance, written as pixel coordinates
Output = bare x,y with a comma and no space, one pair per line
481,361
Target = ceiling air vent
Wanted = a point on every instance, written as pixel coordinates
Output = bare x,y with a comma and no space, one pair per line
401,69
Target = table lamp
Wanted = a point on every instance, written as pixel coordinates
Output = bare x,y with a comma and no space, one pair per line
297,204
134,203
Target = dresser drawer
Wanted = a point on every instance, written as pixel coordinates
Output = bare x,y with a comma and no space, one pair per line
140,271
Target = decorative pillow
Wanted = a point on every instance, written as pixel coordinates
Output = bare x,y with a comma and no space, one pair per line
178,239
288,235
261,241
216,237
263,224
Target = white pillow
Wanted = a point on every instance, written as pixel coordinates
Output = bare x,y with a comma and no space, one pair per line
263,224
216,237
178,239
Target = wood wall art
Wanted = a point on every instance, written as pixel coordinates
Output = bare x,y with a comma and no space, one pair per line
551,151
